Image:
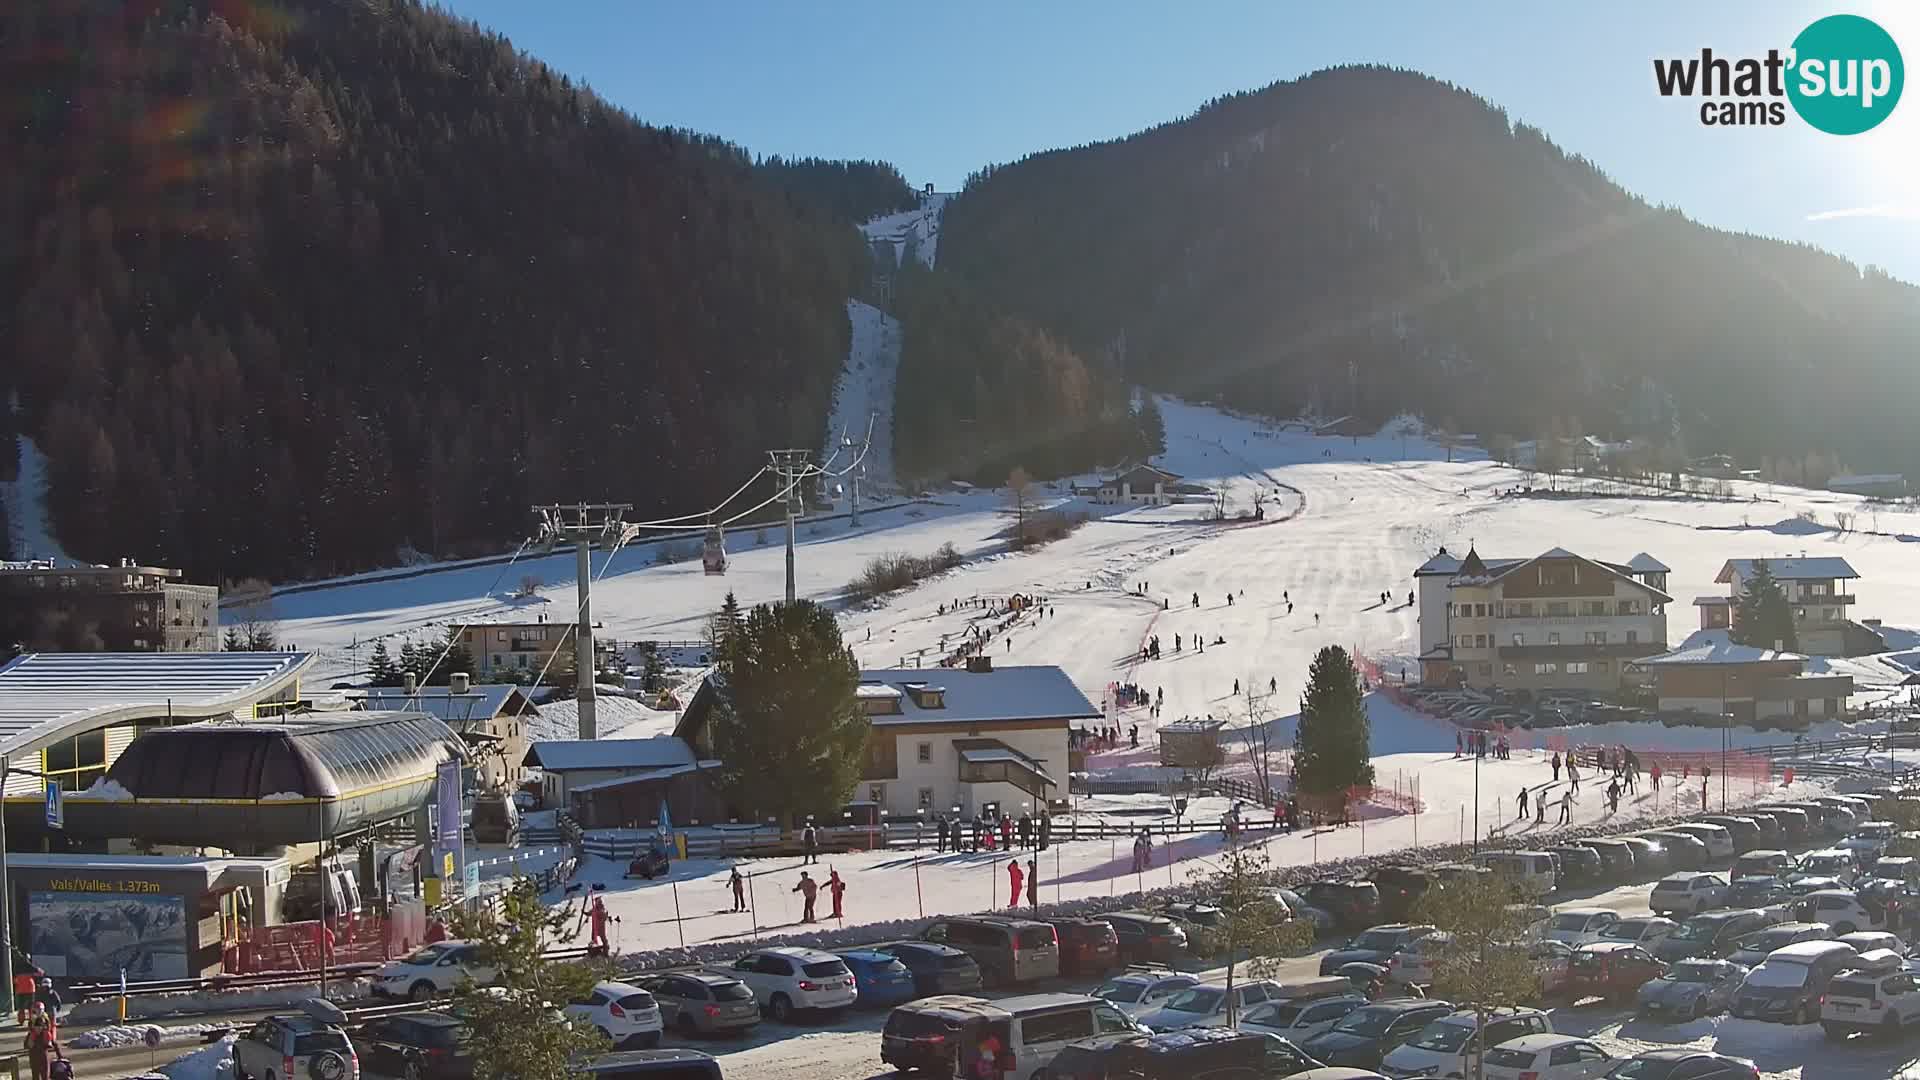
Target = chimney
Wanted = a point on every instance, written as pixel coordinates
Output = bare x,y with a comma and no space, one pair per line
409,683
459,683
980,665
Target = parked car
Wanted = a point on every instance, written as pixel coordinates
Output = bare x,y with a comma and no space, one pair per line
939,1034
1718,840
1645,931
433,969
1554,961
1869,841
1547,1057
1373,946
1578,865
1413,964
1866,941
1796,825
1577,926
1771,834
414,1046
1297,906
1690,989
1802,886
1752,950
1196,1053
1839,816
1650,857
1817,819
1688,892
1400,888
1369,1032
1875,993
1614,970
1769,894
307,1045
1828,862
1762,862
1616,858
1142,991
1352,903
1531,871
880,980
624,1014
1205,1005
1146,939
1190,915
1710,935
1444,1046
1683,1065
786,981
1787,986
1902,868
1008,950
1744,831
703,1003
1087,946
652,1065
1300,1019
1684,851
936,969
1842,909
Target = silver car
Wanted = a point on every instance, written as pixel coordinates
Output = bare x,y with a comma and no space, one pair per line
307,1046
1690,989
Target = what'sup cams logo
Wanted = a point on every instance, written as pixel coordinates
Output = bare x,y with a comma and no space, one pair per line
1842,75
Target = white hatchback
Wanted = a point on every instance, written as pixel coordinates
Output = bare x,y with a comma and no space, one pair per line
627,1015
1644,931
1547,1057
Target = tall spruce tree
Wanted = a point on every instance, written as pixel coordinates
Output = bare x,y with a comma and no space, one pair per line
232,641
1331,751
1763,617
381,670
457,658
723,627
786,723
1153,427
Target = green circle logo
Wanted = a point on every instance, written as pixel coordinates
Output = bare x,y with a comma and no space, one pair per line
1846,75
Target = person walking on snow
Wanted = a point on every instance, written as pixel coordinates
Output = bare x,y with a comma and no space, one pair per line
1523,801
1013,883
837,891
43,1040
1459,742
1566,807
808,889
1540,809
1556,766
811,839
739,886
1006,833
597,937
1033,883
1654,774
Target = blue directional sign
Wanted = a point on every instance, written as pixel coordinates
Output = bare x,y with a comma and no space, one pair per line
56,810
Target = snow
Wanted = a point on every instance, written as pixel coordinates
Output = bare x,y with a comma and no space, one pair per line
916,231
1716,647
135,1035
106,790
619,717
30,531
863,399
211,1062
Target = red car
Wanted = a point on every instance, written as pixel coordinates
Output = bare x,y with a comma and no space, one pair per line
1087,946
1610,969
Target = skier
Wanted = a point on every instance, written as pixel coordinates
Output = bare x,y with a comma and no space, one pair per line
1654,773
1286,599
1229,599
1196,599
1613,796
1033,883
1523,801
43,1040
1289,607
597,937
1316,618
1556,766
1236,688
1409,597
940,834
1273,686
808,889
1045,829
837,890
1026,830
739,886
1006,833
1459,746
1540,809
1566,807
1013,883
1133,733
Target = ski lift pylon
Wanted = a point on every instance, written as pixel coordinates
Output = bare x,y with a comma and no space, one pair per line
714,554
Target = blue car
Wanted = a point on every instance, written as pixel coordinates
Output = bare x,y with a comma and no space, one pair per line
882,981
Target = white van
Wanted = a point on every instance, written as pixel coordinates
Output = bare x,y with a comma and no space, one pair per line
1532,869
938,1033
1718,840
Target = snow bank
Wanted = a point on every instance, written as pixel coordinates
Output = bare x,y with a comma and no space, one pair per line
135,1035
211,1062
104,1010
618,718
106,790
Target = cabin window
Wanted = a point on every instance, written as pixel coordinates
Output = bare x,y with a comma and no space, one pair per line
923,753
1553,637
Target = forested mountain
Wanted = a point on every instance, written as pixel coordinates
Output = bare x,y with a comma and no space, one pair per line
1367,240
852,191
286,288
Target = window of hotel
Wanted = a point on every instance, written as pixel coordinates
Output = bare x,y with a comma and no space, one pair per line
1553,637
1576,667
1827,614
877,793
1547,668
924,752
1479,611
1799,613
1596,637
1629,607
1510,670
1819,589
1593,607
1599,667
1464,641
1519,639
499,635
1559,607
1633,637
1480,641
1520,609
926,798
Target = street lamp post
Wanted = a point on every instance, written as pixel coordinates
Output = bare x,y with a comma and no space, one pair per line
1476,799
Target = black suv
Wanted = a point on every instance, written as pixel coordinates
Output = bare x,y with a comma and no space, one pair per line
415,1045
1192,1054
1147,939
653,1065
1368,1033
1577,865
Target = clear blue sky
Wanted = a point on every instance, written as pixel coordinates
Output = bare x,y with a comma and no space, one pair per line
941,89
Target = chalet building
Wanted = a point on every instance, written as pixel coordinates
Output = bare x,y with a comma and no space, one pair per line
1872,485
1142,485
1554,621
490,718
123,608
1817,591
1711,675
501,648
626,783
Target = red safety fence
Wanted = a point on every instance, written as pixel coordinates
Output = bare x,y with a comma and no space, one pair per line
354,939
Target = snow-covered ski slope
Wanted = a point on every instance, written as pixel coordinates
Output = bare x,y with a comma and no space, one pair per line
863,400
913,233
1352,518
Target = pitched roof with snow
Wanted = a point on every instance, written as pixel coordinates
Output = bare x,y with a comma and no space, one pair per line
1705,647
568,755
49,696
1644,563
1037,692
482,702
1497,569
1819,567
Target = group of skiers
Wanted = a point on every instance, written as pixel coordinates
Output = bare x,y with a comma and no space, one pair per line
988,834
809,890
1031,876
1143,852
37,1007
1482,744
1097,739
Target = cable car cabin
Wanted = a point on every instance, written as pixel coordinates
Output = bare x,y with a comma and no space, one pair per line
714,557
248,787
